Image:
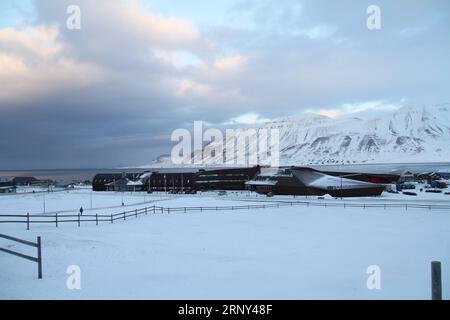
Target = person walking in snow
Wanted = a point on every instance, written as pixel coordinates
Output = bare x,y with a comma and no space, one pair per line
81,211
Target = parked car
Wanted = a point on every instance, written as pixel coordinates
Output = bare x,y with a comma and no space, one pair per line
434,191
222,193
269,195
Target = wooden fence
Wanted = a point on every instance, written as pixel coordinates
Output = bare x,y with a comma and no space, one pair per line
57,219
37,245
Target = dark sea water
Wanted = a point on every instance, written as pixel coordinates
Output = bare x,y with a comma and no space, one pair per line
88,174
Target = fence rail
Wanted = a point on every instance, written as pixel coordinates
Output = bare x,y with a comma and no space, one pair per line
36,244
57,219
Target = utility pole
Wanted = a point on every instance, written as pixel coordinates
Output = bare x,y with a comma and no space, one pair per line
43,200
165,184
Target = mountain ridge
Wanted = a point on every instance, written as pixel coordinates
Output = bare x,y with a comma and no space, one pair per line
411,133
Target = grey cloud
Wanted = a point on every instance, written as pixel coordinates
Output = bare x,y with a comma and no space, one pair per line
125,116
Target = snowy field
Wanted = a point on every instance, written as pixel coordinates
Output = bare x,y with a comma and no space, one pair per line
285,253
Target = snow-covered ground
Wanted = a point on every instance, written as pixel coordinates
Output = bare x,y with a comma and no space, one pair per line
285,253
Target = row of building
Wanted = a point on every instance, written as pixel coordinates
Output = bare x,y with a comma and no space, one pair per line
10,185
279,181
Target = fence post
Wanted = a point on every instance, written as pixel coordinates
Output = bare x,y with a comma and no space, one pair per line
154,209
436,282
406,206
96,219
136,213
112,220
56,220
145,210
79,219
39,257
124,216
28,221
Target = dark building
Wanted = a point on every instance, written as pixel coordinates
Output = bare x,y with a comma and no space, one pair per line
225,179
366,177
124,185
7,187
307,181
169,181
101,180
342,186
26,181
280,182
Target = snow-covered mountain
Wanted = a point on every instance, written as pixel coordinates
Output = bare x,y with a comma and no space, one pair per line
410,134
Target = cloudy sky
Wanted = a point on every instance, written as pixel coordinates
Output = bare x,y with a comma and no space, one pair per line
111,93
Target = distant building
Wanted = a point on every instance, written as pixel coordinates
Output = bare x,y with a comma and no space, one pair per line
407,176
382,178
168,181
279,182
307,181
225,179
101,180
26,181
124,185
7,187
62,184
287,181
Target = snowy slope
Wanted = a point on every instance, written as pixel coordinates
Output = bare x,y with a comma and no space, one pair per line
410,134
276,253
